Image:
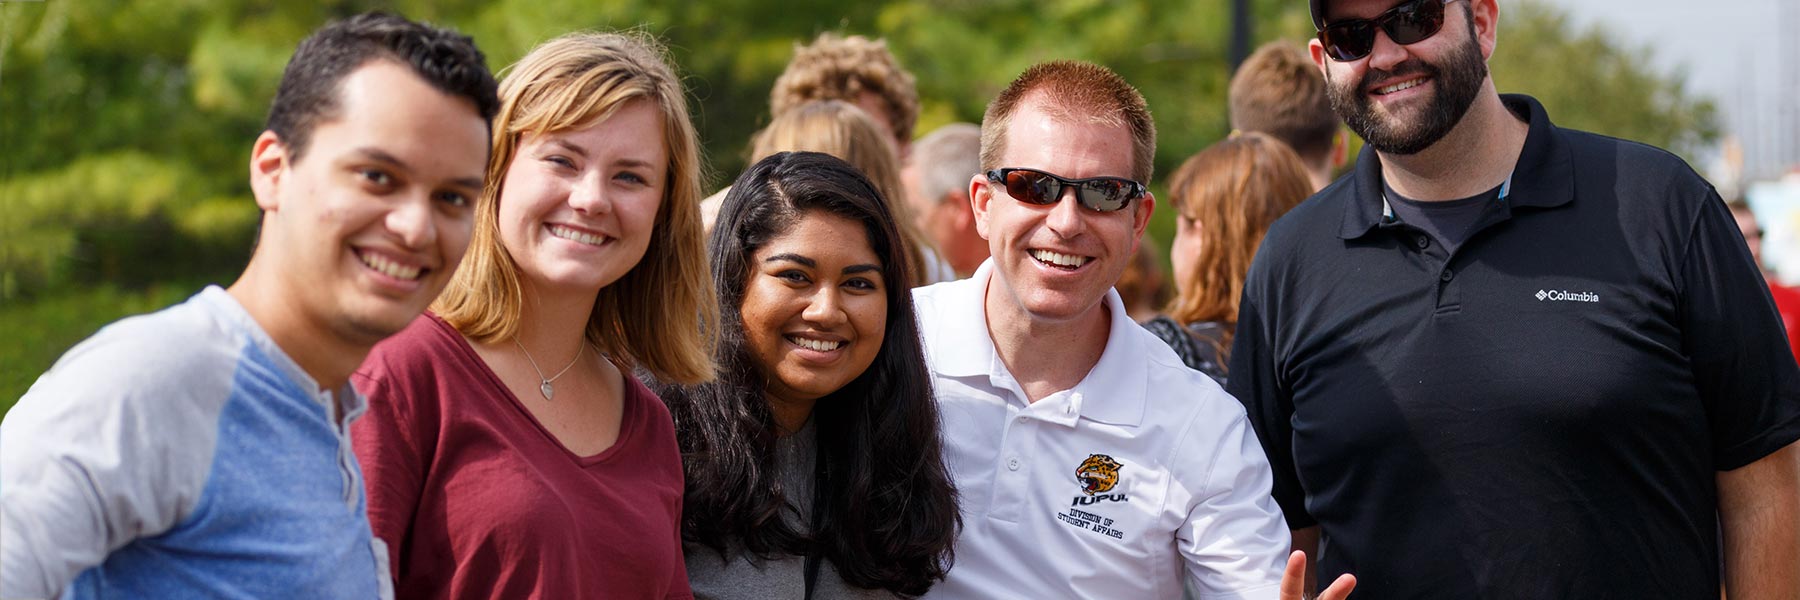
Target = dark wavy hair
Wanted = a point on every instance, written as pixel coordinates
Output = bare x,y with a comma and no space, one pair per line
885,508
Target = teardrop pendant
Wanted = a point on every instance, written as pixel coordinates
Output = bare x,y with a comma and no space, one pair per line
547,390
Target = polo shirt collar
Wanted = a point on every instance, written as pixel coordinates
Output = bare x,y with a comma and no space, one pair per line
1113,392
1543,178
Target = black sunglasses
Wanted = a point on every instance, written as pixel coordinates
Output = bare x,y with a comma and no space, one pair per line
1409,23
1102,194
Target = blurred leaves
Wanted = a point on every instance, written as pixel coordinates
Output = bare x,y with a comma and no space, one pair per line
126,125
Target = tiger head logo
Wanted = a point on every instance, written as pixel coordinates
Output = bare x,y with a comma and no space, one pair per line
1098,474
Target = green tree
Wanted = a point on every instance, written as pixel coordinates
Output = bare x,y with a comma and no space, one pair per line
127,125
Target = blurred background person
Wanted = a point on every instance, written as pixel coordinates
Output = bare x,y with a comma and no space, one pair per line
857,70
841,129
936,178
1225,198
1280,92
1787,299
509,451
813,461
853,69
1143,287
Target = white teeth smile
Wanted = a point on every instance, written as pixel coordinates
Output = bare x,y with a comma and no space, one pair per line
1068,261
576,235
1399,86
388,267
811,344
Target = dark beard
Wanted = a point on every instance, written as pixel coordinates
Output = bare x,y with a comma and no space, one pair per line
1456,87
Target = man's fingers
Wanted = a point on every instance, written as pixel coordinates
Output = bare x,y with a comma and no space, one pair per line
1339,589
1293,579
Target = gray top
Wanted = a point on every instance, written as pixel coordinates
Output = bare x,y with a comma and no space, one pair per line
746,576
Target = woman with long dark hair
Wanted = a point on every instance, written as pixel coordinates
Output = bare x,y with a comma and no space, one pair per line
813,461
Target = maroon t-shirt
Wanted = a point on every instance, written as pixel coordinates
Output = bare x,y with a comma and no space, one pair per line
475,499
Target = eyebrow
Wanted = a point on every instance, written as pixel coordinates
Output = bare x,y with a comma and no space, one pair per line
812,264
381,156
795,258
578,150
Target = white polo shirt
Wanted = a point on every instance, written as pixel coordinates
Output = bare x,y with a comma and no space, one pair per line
1145,472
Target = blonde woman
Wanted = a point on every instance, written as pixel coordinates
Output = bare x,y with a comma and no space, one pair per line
1226,197
509,451
841,129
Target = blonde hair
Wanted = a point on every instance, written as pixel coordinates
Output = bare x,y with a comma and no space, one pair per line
661,314
836,67
1235,190
841,129
1280,92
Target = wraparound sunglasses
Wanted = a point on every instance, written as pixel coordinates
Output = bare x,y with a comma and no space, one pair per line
1409,23
1102,194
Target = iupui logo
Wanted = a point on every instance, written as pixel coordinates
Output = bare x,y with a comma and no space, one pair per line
1567,296
1098,475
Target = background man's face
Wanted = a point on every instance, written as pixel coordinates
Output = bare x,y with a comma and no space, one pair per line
367,226
1056,262
1403,99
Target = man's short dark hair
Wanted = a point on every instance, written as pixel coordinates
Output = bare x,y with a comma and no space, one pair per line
1280,92
448,60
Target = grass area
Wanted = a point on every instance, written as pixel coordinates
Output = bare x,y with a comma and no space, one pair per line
44,328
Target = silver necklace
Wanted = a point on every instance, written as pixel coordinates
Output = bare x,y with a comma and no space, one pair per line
544,386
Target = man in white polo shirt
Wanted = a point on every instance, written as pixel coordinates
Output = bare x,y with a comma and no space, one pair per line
1090,462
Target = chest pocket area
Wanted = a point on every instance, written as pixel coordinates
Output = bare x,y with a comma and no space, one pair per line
1113,500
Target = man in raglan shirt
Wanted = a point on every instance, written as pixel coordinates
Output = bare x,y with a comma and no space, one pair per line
203,450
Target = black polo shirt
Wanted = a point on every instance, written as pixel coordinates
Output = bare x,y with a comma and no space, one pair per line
1539,414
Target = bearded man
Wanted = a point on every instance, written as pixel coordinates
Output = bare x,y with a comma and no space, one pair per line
1503,359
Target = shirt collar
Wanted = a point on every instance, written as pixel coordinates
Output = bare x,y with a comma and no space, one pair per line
1113,392
345,396
1543,178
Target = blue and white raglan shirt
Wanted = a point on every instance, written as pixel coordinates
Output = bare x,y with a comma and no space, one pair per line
183,454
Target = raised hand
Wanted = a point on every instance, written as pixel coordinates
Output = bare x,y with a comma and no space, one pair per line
1293,582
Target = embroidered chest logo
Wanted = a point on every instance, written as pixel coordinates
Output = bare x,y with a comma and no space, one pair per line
1098,475
1566,296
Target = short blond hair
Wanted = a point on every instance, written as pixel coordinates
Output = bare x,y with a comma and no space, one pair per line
1279,91
1073,91
661,314
836,67
842,130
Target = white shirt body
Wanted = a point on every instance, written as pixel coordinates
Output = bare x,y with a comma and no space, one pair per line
1143,477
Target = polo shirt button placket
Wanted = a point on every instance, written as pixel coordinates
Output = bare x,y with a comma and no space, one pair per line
1423,241
1447,275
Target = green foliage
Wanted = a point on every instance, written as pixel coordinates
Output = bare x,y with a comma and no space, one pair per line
41,331
1590,80
127,125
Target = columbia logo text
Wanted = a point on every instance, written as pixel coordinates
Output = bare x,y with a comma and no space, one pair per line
1567,296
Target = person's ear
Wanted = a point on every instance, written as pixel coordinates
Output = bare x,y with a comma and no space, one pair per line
981,195
1141,214
268,169
1487,20
1317,49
